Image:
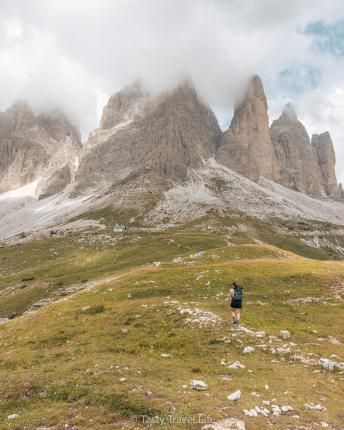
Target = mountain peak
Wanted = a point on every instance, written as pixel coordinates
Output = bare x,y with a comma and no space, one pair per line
21,115
157,136
322,143
254,92
289,113
246,147
125,105
297,162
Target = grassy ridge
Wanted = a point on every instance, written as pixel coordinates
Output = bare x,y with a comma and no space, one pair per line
94,360
37,269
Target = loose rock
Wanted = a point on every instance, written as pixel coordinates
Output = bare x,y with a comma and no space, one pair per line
316,407
331,365
285,334
234,396
226,424
236,365
198,385
286,408
250,412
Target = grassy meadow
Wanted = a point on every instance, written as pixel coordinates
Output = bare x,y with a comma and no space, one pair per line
121,354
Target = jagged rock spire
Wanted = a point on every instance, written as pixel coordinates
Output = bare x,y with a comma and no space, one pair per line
323,146
246,147
296,159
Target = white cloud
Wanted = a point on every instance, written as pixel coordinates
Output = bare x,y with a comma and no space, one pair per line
76,53
12,29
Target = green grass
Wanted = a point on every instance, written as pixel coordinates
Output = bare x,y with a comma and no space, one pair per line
94,360
37,269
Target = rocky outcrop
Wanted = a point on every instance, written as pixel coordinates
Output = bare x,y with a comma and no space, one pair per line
340,192
125,106
323,146
160,137
296,159
146,142
42,147
246,147
282,153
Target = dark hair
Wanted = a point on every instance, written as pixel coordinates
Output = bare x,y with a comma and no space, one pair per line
236,285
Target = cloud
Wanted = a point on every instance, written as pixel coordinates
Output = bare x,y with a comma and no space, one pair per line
74,54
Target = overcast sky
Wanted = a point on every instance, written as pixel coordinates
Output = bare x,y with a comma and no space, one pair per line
74,53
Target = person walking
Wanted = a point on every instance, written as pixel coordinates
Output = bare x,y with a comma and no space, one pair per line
235,297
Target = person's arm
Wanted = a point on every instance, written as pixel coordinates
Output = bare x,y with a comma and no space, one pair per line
231,293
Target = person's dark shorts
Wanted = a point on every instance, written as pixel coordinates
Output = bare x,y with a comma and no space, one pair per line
236,304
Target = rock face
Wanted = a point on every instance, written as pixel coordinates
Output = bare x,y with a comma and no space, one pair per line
125,106
282,153
340,192
33,147
297,164
323,146
146,143
160,137
246,146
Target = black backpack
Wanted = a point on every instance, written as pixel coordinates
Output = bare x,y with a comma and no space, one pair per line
237,293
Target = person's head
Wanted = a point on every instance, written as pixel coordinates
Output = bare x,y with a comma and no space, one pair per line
235,284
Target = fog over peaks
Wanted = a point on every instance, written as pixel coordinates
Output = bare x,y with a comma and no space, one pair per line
74,55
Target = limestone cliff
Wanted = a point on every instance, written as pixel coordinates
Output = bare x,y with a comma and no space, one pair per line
153,136
246,146
296,159
36,147
323,146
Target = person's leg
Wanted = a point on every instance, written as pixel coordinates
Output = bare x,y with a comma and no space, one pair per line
233,314
238,315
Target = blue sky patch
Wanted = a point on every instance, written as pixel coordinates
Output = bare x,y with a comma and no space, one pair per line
297,79
328,38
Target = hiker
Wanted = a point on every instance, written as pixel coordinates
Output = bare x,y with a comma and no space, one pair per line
235,296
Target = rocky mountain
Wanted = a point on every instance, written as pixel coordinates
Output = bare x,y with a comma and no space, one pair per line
246,146
296,158
282,152
164,157
43,148
125,106
157,137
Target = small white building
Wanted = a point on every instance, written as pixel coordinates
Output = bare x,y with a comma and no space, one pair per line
119,228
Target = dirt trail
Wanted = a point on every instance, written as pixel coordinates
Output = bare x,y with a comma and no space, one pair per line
77,289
